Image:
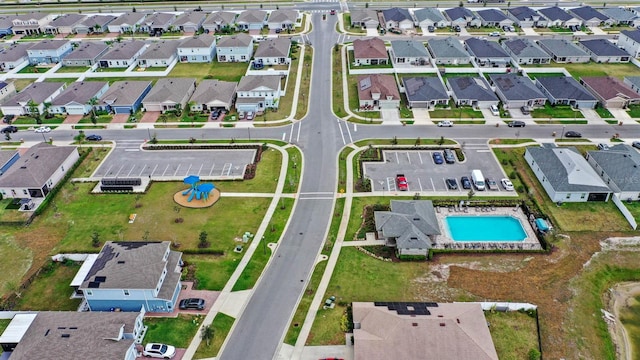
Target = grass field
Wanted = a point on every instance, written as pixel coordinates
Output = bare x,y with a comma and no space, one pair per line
630,318
514,334
592,69
221,326
225,71
72,69
173,331
50,290
634,111
21,258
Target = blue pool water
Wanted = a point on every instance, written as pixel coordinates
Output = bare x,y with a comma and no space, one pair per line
485,228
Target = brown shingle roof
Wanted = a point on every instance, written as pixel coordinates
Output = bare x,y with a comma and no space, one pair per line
385,85
608,87
372,48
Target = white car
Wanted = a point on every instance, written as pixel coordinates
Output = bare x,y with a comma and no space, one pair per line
506,184
445,123
43,129
161,351
494,34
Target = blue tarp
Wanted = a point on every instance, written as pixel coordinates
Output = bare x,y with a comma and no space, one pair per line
542,225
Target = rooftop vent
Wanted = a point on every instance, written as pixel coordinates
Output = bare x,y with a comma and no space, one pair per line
65,335
442,324
414,324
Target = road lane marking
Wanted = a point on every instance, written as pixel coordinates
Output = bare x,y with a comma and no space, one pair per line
299,127
291,132
341,134
420,184
284,136
154,170
129,173
199,170
346,126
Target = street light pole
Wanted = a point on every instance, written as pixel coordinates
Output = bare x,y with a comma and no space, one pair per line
382,184
562,135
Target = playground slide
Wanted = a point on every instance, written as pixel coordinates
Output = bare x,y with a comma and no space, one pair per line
191,196
186,191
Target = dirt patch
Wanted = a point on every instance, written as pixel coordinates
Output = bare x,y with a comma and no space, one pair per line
620,296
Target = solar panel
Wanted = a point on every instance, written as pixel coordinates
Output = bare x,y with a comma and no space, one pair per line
100,279
365,83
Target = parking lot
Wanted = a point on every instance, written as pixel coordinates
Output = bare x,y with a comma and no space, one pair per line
423,175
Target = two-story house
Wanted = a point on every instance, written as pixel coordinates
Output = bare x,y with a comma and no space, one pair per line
122,55
629,40
48,51
31,23
274,51
258,92
197,49
235,48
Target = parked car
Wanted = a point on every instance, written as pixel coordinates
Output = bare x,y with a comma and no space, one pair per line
506,184
445,123
449,156
491,184
516,123
7,119
466,183
452,184
525,110
494,34
94,137
494,110
603,146
332,12
192,303
9,129
431,29
437,157
457,28
636,144
43,129
401,182
160,351
573,134
250,115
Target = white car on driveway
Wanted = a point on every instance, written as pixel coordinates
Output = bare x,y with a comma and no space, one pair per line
160,351
445,123
43,129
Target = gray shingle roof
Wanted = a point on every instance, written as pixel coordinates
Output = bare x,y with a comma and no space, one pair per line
448,47
34,15
124,50
159,20
15,52
360,15
160,50
432,14
564,87
491,15
129,18
237,40
459,13
275,47
88,50
5,22
214,90
80,92
221,18
424,88
48,45
588,13
522,12
555,13
561,48
283,16
619,14
252,16
251,82
632,34
38,92
124,93
190,18
36,166
515,87
634,80
603,47
202,41
523,47
100,20
467,87
169,89
396,14
483,48
66,20
409,222
409,48
621,163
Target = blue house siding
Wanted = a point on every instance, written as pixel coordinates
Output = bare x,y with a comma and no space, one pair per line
53,59
128,109
7,31
11,161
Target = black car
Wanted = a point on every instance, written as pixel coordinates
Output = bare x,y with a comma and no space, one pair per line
94,137
452,184
636,144
466,183
431,29
572,134
7,119
457,28
9,129
192,303
449,157
517,123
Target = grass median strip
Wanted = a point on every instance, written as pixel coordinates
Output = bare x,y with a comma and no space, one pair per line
221,326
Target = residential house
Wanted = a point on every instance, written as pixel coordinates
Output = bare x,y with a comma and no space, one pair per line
274,51
31,23
252,19
516,91
7,89
619,168
556,16
127,22
32,98
590,16
487,53
14,55
235,48
197,49
494,17
102,335
364,18
471,91
190,21
611,92
525,51
64,24
6,25
425,92
633,82
76,98
168,94
256,93
128,276
621,16
213,94
564,51
409,52
603,51
283,19
37,171
371,51
48,51
565,175
411,226
376,92
95,24
218,20
157,23
462,17
430,17
448,50
408,331
526,17
159,54
397,18
123,54
565,90
629,40
124,97
86,54
7,159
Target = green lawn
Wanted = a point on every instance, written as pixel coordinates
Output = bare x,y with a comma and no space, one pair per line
221,326
604,113
72,69
65,80
173,331
634,111
28,120
100,119
32,69
294,168
463,112
514,334
225,71
593,69
336,83
305,81
51,290
346,17
342,168
286,102
20,263
556,112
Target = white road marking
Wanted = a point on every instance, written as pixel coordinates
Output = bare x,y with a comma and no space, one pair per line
397,158
299,127
165,170
119,170
420,184
189,169
433,186
409,158
348,132
291,132
178,168
284,136
154,169
212,166
129,173
199,170
355,127
109,169
341,134
420,156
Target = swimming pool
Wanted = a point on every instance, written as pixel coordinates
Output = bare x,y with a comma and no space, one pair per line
485,228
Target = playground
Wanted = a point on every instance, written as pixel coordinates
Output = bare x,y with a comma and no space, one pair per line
198,195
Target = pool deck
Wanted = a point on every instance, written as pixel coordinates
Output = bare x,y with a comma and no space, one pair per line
445,242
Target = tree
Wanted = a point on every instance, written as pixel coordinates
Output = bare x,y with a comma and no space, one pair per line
34,111
207,333
203,239
80,137
470,193
93,102
178,109
95,239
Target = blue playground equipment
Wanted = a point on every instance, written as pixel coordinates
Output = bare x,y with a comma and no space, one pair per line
198,191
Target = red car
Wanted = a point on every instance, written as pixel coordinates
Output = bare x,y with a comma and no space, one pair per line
401,182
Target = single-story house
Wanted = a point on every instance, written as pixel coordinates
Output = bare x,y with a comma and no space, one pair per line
411,226
409,331
37,171
633,82
564,51
95,24
213,94
48,51
86,54
157,23
619,168
122,55
283,19
124,97
425,92
565,90
525,16
462,17
31,23
494,17
611,92
371,51
64,24
235,48
409,52
128,276
168,94
364,18
218,20
430,17
565,175
274,51
127,22
102,335
6,25
189,21
556,16
516,91
590,16
377,91
252,19
472,91
7,89
259,92
74,100
37,93
159,54
604,51
448,50
525,51
397,18
14,55
487,53
621,16
629,40
197,49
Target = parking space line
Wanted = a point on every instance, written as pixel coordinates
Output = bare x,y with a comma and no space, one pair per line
109,169
212,167
118,173
154,169
129,173
397,158
420,184
409,158
227,168
199,170
140,173
178,168
165,170
433,186
420,156
189,169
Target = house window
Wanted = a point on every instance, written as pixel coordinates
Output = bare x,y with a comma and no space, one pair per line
568,196
125,292
583,195
89,292
24,191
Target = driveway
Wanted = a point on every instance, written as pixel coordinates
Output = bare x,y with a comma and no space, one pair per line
72,119
187,291
150,117
622,115
120,118
179,354
529,31
390,116
372,32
